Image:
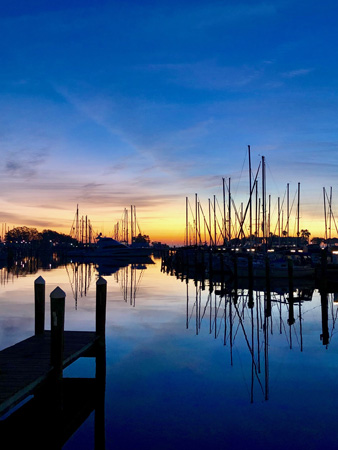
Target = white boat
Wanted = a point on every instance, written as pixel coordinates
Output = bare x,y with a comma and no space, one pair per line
104,247
107,246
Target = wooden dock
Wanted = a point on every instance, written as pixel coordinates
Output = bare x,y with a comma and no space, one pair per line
31,373
24,366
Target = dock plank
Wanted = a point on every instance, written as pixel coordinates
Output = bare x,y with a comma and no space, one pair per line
25,365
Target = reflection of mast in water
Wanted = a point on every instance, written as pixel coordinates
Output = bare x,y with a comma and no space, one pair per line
130,281
328,303
250,311
4,275
325,317
17,268
333,299
80,278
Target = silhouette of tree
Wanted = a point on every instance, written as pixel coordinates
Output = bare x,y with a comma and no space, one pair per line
56,238
142,238
305,234
22,234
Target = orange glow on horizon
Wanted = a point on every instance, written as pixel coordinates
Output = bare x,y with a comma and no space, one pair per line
169,231
166,224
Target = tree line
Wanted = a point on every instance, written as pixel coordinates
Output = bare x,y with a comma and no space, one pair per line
25,234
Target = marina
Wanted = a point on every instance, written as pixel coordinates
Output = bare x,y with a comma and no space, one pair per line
168,226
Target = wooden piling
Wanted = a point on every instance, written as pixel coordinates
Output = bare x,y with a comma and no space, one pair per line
39,301
101,302
57,298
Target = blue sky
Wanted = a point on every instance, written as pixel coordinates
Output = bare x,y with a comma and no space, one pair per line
109,103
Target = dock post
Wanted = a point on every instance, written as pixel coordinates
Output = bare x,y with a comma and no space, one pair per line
101,301
57,308
39,301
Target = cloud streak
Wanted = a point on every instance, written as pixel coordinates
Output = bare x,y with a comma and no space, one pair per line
24,163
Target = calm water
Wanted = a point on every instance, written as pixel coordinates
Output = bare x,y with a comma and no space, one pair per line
188,368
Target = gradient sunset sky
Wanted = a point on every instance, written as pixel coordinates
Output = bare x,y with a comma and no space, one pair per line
108,104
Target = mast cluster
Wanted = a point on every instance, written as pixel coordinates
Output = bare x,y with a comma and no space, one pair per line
127,228
229,224
81,229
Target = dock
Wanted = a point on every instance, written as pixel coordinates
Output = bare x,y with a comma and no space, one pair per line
35,399
26,365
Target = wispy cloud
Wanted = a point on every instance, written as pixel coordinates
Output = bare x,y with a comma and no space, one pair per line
296,73
208,75
24,163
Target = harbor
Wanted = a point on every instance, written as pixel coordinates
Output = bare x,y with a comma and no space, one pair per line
168,225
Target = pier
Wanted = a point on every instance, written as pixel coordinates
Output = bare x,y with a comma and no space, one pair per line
36,402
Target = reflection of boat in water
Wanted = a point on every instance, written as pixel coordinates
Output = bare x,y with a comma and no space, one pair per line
277,266
107,266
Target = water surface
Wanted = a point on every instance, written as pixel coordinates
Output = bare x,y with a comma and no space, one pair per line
188,365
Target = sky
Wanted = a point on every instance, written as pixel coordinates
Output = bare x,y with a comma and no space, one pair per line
109,104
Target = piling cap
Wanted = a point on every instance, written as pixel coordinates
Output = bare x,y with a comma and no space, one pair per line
58,293
40,280
101,281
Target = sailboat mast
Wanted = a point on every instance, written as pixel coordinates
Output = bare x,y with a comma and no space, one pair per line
288,212
86,230
263,200
279,220
135,222
186,221
229,212
224,215
195,219
325,214
199,221
126,231
215,227
249,152
269,216
77,223
330,221
256,213
298,209
210,239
